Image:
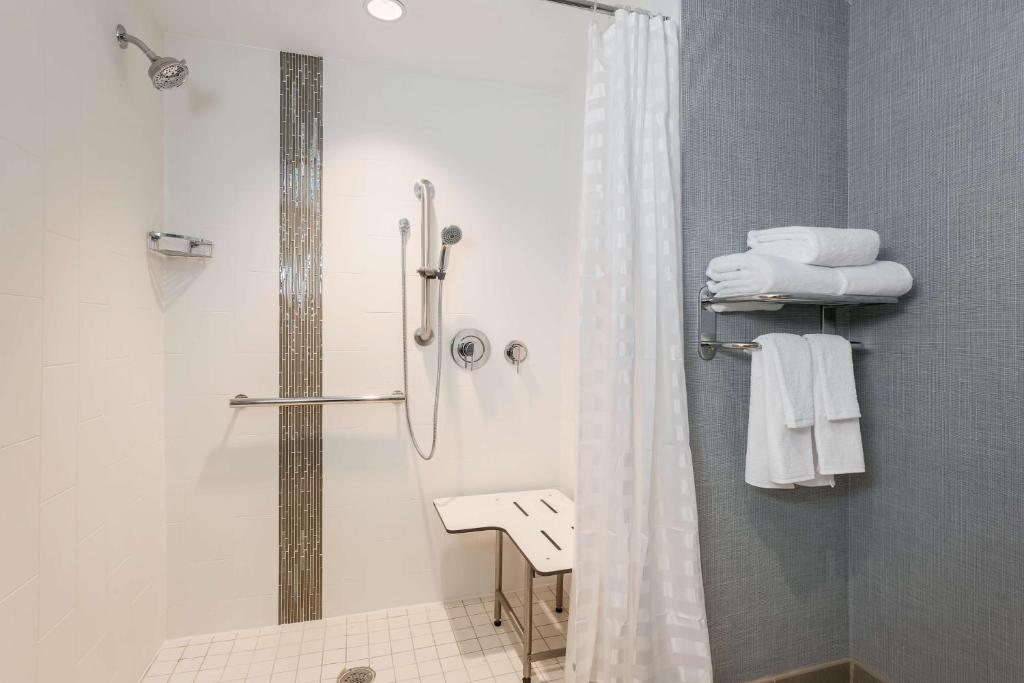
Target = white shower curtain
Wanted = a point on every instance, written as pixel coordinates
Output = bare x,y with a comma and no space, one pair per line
638,599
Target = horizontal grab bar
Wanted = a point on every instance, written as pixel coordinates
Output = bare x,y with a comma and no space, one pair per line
243,401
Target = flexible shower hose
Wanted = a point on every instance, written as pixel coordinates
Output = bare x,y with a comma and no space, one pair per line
405,359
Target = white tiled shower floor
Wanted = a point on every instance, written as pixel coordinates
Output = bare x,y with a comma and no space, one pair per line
451,642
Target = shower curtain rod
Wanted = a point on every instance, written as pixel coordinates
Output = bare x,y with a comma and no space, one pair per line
601,7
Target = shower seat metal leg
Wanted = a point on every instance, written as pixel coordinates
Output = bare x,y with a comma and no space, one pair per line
559,592
528,626
497,577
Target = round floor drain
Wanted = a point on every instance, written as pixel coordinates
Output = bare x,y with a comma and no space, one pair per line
359,674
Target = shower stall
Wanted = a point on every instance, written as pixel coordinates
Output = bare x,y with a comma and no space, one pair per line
389,360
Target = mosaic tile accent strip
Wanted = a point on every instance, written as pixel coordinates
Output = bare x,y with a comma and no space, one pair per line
300,436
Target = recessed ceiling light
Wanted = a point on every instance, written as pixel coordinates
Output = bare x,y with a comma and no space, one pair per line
385,10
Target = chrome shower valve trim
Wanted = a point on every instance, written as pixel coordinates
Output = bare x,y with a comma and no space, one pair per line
471,349
516,353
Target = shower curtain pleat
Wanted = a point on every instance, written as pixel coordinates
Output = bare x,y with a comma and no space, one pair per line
638,599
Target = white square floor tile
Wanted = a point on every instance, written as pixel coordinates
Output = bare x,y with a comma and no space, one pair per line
453,642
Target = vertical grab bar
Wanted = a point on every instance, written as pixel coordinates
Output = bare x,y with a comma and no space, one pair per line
425,193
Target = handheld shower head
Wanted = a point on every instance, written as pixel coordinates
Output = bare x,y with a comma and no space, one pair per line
450,236
165,72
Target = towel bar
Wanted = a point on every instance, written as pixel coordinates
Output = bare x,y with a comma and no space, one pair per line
754,346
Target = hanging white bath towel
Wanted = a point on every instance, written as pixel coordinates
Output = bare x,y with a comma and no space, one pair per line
837,439
780,447
638,600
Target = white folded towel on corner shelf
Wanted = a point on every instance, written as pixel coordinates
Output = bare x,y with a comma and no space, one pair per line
881,278
780,449
817,246
837,440
748,273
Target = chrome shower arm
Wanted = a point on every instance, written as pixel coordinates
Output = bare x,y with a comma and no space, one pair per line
124,38
164,72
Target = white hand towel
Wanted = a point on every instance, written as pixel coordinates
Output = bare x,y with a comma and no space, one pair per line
837,439
767,436
747,273
778,455
817,246
881,278
790,357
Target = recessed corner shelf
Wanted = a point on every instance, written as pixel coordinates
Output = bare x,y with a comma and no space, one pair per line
170,244
707,324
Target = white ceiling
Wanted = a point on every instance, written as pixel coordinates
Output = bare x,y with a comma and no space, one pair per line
526,42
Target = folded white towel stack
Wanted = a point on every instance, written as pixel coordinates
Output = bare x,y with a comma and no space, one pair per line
749,273
817,246
780,450
837,439
807,260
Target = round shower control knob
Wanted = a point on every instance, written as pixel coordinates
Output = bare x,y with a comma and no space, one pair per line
516,353
470,349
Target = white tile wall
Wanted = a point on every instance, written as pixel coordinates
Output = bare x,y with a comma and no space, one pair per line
500,159
81,459
498,155
221,338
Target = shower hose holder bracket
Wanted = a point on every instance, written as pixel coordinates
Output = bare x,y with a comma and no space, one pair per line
430,273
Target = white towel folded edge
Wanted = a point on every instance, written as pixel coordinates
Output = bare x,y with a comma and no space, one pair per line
820,246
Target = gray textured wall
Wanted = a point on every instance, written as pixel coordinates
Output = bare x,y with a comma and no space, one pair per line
935,161
764,143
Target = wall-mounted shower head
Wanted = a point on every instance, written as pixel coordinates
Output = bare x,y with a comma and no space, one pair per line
450,236
165,72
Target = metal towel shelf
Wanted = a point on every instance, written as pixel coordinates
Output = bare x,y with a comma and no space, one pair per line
707,323
243,401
